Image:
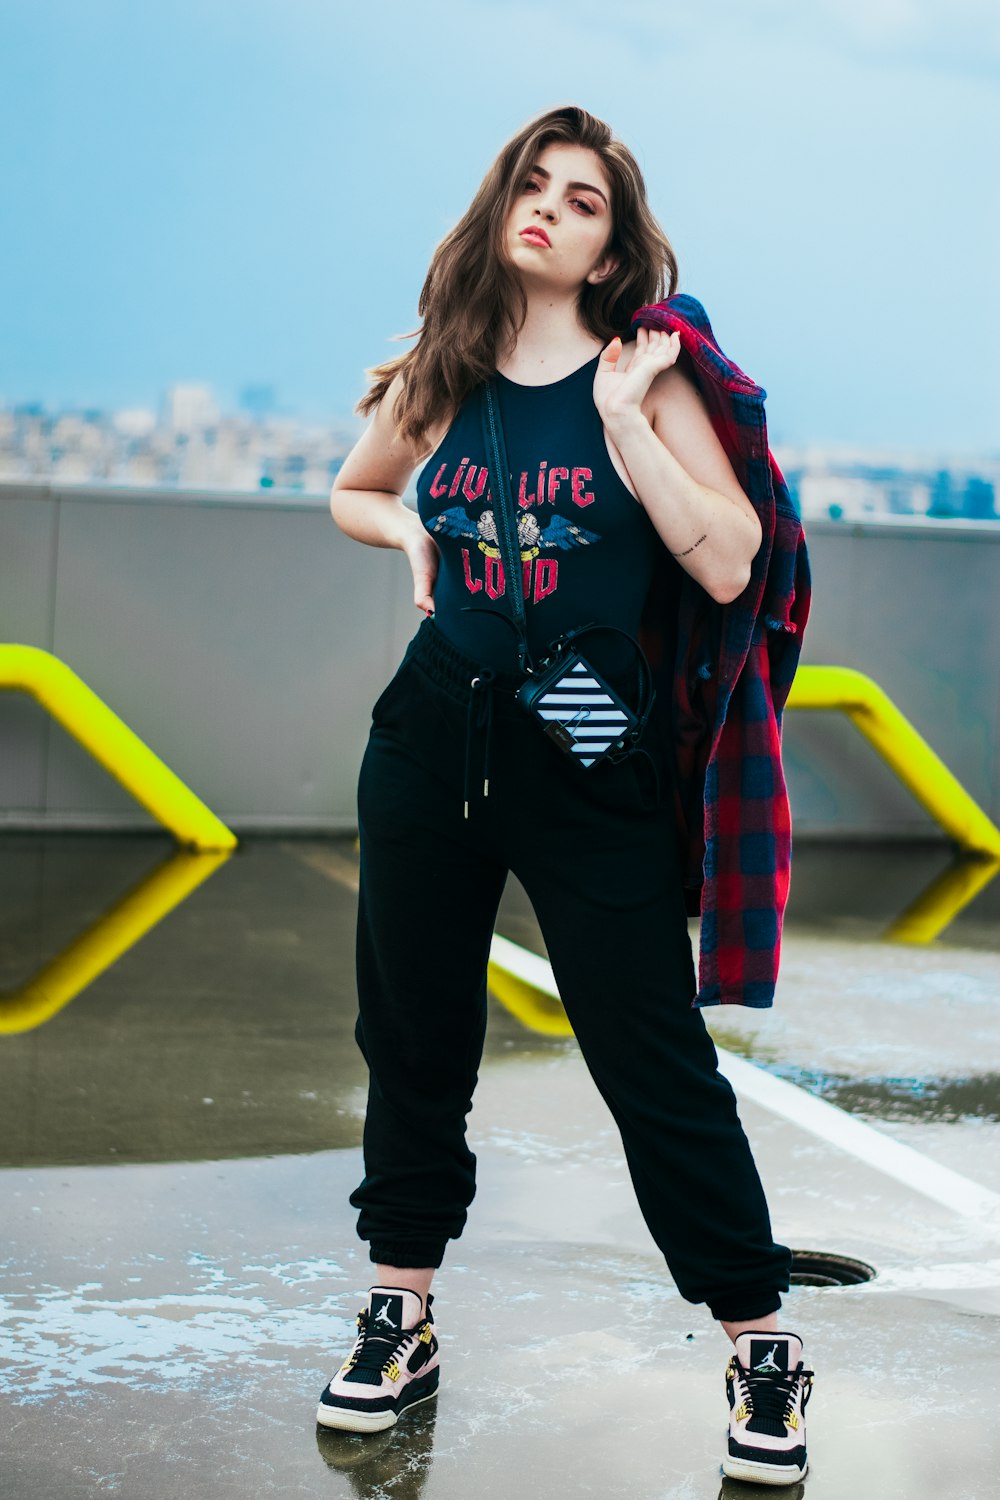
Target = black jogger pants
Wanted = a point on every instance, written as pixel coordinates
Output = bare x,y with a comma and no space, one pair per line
595,851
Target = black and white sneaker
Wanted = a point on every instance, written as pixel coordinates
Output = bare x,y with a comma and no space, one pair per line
393,1365
767,1386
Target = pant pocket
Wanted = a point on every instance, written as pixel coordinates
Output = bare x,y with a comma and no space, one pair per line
393,692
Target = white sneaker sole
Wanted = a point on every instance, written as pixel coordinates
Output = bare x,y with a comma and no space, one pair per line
345,1420
761,1473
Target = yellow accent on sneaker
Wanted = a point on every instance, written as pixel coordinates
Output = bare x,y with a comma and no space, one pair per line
392,1369
426,1334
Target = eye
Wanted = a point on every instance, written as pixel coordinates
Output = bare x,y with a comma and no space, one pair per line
584,204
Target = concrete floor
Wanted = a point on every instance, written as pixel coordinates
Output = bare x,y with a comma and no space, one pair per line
179,1269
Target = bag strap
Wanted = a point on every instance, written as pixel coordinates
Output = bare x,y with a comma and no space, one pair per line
506,519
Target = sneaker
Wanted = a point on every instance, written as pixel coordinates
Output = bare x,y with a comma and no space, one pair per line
393,1365
767,1388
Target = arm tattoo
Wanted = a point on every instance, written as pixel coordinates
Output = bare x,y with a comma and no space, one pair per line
691,548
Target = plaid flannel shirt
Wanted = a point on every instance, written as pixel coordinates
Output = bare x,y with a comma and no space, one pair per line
731,670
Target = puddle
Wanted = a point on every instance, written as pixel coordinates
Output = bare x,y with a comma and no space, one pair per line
227,1028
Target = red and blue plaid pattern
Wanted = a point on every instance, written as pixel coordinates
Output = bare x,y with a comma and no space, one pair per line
727,686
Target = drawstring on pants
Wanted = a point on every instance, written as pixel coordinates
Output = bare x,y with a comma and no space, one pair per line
480,713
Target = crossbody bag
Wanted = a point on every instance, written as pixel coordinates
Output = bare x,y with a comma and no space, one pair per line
571,700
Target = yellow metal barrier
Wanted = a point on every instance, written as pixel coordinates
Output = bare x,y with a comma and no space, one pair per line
905,751
110,741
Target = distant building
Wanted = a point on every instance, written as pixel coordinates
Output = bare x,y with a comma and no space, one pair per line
187,408
134,421
846,484
191,444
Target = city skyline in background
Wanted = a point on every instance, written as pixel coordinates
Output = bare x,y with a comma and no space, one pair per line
246,198
191,444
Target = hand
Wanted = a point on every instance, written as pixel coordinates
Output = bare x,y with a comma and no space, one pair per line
423,555
619,394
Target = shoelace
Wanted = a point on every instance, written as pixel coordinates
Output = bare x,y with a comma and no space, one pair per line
771,1396
480,713
376,1349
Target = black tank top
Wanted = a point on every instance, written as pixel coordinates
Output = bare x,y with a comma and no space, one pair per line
588,547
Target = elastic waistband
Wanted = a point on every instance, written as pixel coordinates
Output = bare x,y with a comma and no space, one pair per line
454,671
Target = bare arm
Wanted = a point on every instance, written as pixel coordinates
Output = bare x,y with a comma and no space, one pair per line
677,463
687,485
366,499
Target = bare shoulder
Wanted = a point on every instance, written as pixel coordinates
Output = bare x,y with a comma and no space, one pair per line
680,418
381,459
663,386
433,432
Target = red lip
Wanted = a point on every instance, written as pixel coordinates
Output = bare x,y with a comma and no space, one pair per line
536,229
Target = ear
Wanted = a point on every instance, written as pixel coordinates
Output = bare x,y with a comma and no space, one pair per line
603,269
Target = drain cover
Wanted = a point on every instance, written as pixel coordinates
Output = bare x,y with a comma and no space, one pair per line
823,1268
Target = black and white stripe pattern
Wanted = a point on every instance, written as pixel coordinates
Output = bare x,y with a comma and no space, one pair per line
587,711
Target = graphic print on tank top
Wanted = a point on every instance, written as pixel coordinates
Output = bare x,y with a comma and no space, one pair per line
587,545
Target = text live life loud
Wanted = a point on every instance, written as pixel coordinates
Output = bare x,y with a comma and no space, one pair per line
545,490
540,576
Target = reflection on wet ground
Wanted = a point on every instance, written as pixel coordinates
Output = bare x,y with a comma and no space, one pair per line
227,1028
921,1099
181,1269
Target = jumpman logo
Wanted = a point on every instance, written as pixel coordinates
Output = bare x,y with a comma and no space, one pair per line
769,1362
382,1316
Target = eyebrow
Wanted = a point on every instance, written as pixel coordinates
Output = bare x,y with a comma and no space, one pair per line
587,185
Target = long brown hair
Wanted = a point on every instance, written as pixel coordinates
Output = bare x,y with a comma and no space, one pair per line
472,302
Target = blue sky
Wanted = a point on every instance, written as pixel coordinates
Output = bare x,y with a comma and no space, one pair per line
249,191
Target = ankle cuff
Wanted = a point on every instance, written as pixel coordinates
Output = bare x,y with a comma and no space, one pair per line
737,1312
416,1255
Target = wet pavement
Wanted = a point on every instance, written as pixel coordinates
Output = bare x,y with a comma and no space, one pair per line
179,1270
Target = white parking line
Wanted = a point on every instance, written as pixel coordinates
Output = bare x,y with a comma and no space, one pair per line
859,1139
818,1116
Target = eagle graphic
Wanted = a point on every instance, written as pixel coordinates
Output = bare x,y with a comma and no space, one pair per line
530,535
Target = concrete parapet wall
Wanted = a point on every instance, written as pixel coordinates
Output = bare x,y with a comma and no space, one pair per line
245,638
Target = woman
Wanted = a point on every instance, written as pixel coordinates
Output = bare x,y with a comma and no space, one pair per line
619,480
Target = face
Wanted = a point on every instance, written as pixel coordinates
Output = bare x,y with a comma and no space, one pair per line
575,219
